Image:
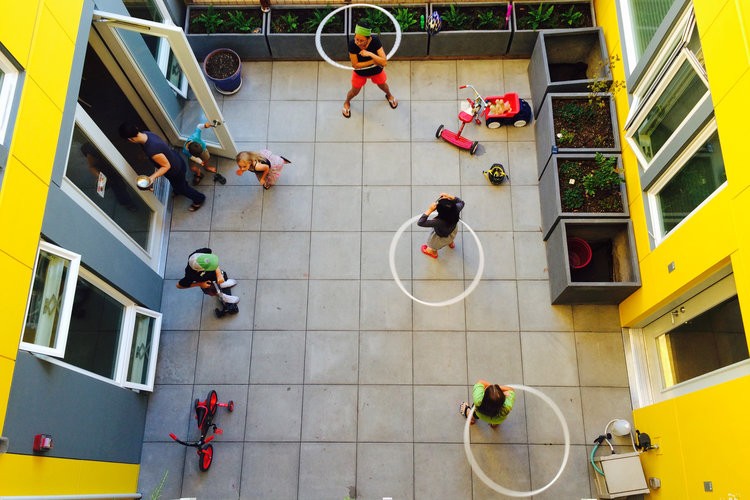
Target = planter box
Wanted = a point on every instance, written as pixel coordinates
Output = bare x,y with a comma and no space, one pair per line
413,43
610,277
547,142
551,199
300,45
524,38
471,42
249,46
568,61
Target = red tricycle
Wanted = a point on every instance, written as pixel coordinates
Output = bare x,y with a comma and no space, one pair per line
465,116
204,414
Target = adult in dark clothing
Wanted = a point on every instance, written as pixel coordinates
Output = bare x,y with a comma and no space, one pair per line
368,60
166,160
444,225
203,270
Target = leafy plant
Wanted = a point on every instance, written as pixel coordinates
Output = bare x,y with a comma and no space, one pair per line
238,22
571,17
286,23
537,17
488,20
604,178
210,20
575,112
317,16
570,170
376,20
405,18
565,137
604,85
455,18
572,197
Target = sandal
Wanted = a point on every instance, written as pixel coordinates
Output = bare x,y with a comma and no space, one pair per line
194,207
392,101
464,409
197,179
428,253
347,112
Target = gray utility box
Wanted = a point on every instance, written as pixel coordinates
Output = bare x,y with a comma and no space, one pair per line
623,476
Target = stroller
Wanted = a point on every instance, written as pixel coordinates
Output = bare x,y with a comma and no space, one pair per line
227,301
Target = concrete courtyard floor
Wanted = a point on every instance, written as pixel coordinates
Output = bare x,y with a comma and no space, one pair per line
343,385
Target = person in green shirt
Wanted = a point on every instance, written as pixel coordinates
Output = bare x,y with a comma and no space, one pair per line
492,403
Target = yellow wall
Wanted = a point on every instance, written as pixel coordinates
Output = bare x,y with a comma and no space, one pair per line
57,476
699,434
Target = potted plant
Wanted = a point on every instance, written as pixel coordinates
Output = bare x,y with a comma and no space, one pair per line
471,30
237,28
576,123
224,68
568,61
582,187
611,273
532,16
291,33
411,20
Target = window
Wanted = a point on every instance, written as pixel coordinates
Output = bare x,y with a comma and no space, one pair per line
699,343
76,318
688,183
8,93
643,18
668,110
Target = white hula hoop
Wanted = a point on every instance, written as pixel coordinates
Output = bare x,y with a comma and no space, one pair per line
460,296
500,489
319,32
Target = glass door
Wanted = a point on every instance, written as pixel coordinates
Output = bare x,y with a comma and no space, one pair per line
130,41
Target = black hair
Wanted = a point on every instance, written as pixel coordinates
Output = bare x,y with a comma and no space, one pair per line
194,148
447,211
493,401
128,130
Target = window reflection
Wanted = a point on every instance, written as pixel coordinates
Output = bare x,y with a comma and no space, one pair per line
103,184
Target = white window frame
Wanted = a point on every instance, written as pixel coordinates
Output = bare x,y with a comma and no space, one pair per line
151,254
652,194
7,93
66,301
130,310
694,306
653,99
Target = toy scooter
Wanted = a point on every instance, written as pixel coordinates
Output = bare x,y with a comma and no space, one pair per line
465,116
515,111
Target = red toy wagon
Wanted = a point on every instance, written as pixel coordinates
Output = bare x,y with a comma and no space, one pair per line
515,111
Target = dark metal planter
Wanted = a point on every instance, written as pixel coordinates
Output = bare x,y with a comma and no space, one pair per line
546,140
249,46
551,200
523,40
469,43
301,46
610,277
568,61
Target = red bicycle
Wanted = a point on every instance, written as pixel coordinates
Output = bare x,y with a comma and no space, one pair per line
204,414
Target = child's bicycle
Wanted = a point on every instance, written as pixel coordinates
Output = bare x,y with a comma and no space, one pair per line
465,116
204,414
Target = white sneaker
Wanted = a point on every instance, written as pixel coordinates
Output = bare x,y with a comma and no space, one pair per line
229,299
228,283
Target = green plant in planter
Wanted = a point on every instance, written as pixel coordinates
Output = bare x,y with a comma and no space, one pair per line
405,18
454,18
239,23
574,112
539,16
573,196
210,20
605,178
600,85
286,23
488,20
565,137
317,16
571,17
376,20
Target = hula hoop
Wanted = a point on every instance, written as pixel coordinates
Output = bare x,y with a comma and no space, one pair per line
500,489
460,296
319,32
